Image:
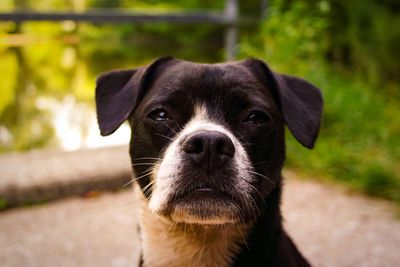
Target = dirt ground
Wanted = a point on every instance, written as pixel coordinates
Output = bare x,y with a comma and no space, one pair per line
330,226
333,227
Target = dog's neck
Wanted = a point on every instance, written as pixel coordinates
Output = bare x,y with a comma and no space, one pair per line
179,244
169,244
265,239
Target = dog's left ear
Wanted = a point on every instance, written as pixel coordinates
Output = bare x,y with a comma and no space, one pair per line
119,92
300,102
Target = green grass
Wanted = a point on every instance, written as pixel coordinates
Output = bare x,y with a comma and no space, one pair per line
3,204
359,141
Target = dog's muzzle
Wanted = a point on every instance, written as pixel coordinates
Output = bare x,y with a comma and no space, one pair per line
203,177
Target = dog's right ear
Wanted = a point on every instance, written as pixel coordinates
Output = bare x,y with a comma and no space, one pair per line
119,92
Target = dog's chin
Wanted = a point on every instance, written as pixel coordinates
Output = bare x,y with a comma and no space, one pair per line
204,212
202,206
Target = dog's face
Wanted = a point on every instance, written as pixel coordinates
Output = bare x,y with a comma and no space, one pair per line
207,142
210,130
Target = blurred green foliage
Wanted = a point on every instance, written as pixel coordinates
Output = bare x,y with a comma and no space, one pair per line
44,62
347,48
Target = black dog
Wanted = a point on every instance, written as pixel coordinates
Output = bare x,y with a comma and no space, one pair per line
207,148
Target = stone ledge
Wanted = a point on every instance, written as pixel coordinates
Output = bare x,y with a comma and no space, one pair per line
44,175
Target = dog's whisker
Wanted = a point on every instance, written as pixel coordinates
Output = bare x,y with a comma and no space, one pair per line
143,163
241,218
140,177
263,176
243,141
145,173
137,178
128,183
167,137
240,137
133,180
149,186
257,191
254,207
243,238
142,158
170,127
247,205
177,125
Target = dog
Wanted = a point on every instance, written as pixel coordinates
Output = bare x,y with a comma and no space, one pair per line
207,149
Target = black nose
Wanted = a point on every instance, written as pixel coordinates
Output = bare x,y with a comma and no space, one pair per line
210,149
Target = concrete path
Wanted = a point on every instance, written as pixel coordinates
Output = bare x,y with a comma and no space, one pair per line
330,226
93,232
45,175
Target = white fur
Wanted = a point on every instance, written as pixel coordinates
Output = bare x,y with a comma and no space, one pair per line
168,170
166,244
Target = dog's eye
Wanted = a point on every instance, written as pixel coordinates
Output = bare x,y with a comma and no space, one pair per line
257,116
159,115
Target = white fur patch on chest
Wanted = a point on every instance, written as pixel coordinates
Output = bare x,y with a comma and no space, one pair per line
166,244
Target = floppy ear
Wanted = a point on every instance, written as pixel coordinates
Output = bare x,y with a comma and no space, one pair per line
300,102
118,93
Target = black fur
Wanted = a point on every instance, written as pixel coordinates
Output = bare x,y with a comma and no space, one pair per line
229,92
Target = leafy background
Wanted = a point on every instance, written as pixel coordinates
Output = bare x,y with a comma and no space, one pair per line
350,49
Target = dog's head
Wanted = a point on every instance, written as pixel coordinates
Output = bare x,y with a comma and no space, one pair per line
207,143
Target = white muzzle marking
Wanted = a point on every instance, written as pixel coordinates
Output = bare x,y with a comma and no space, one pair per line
169,170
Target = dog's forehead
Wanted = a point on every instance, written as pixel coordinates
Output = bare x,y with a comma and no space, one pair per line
221,75
208,83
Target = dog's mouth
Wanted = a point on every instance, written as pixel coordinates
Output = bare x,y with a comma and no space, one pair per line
204,205
203,194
